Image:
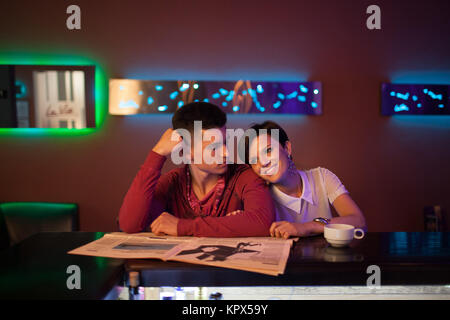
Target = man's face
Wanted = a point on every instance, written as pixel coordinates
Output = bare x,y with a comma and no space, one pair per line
214,151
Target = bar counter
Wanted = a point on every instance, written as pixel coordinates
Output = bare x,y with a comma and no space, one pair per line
37,267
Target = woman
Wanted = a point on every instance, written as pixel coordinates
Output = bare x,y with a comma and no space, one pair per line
302,197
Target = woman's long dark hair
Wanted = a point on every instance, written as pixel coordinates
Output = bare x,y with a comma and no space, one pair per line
268,125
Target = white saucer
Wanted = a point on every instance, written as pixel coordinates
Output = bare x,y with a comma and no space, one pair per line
338,243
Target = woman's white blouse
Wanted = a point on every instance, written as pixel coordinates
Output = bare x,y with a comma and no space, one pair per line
320,188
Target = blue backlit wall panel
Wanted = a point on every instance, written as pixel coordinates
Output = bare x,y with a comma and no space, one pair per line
414,99
148,96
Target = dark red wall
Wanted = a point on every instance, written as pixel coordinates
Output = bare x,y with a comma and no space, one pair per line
393,167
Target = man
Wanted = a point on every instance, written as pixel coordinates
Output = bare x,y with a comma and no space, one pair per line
197,199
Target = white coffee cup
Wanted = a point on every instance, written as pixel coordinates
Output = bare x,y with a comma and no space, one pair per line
340,235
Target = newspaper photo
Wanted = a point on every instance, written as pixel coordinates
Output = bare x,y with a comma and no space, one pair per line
250,254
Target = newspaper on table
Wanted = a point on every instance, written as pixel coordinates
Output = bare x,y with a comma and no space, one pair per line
257,254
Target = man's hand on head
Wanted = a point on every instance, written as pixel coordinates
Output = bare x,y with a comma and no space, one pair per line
165,224
166,144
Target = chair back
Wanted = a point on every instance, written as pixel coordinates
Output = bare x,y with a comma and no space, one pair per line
23,219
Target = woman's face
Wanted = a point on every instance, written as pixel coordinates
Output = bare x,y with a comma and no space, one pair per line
268,158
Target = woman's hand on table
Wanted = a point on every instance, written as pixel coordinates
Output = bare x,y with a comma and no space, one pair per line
285,229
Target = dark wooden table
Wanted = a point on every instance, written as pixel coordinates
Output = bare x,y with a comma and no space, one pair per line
403,258
36,268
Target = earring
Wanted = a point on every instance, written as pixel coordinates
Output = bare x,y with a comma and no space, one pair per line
292,169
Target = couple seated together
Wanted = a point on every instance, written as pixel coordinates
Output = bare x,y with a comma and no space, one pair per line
264,195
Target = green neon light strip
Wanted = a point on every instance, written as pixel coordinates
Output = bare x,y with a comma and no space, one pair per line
101,92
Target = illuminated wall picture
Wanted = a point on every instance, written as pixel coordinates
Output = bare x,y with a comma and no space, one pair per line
414,99
128,97
47,97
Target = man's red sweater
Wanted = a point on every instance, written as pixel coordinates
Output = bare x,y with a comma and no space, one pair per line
151,194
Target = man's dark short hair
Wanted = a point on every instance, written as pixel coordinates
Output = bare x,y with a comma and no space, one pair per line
209,114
